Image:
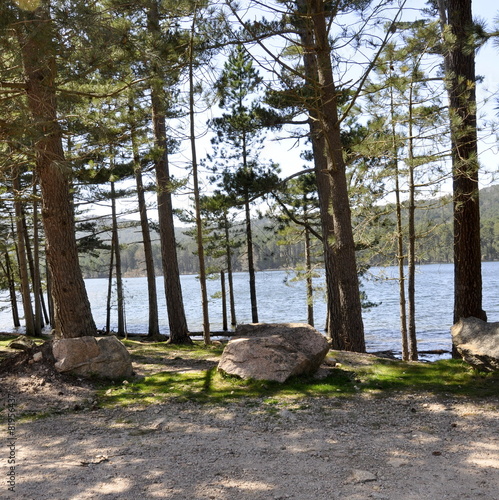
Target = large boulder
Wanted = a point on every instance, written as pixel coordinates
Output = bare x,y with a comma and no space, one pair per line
273,351
477,342
103,357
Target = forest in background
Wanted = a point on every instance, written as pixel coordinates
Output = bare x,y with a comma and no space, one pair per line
274,250
323,111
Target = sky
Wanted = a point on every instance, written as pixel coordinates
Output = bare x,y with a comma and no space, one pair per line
288,157
487,66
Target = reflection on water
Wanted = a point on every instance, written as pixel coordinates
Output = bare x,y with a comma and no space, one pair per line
282,300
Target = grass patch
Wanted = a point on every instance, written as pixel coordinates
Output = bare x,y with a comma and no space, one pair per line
449,377
5,339
6,351
198,350
444,377
210,386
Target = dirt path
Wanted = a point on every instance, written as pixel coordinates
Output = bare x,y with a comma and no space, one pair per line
418,448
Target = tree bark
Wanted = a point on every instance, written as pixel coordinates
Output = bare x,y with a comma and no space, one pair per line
176,314
345,327
224,301
37,283
7,269
197,202
119,277
29,319
251,263
400,235
308,269
73,317
153,325
228,258
109,288
171,275
411,259
456,18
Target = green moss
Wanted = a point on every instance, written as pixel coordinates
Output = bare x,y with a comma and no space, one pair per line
5,339
444,376
198,350
381,376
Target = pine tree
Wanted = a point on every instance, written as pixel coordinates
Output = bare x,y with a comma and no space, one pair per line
459,45
38,47
238,138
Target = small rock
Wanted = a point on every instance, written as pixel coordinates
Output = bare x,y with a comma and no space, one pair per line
397,462
286,414
362,476
38,356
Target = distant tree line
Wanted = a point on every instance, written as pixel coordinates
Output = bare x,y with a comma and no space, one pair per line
275,247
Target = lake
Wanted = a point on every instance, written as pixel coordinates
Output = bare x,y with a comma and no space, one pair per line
282,300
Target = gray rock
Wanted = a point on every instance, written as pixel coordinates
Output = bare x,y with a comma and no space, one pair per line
22,343
38,356
273,351
362,476
104,357
477,342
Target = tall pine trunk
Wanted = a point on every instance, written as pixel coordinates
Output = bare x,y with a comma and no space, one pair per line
251,263
345,326
37,282
7,270
119,277
224,301
197,202
457,20
411,281
228,259
33,271
400,234
73,317
152,295
308,270
29,319
176,313
109,288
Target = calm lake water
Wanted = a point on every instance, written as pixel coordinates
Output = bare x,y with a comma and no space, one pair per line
282,300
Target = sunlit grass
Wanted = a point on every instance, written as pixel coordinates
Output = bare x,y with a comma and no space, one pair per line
443,376
375,376
451,377
6,351
198,350
5,340
210,386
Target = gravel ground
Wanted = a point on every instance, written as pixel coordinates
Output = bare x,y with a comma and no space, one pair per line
418,447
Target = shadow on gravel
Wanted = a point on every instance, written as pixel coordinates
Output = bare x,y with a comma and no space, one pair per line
417,447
